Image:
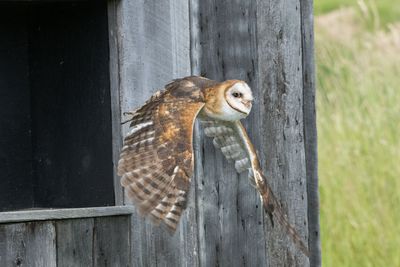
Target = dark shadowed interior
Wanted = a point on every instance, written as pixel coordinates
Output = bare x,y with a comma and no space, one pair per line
55,111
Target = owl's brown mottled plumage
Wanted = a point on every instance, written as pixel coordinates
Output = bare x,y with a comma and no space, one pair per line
156,161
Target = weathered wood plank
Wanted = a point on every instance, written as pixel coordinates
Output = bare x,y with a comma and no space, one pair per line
260,42
281,84
310,131
75,242
111,241
28,244
230,214
115,95
154,49
57,214
279,80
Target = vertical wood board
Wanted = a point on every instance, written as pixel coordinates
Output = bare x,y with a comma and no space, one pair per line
28,244
153,50
231,231
75,242
281,84
310,131
111,242
115,95
99,241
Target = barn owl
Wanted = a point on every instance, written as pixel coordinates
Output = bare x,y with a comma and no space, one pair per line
156,162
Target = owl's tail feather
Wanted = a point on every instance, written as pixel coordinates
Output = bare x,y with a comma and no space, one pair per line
274,210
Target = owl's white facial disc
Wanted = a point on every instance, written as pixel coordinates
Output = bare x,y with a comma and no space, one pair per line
238,101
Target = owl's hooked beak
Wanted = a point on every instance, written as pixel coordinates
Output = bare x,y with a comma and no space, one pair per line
247,103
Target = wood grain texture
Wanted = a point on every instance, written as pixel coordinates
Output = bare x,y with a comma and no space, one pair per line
28,244
310,131
264,49
115,95
262,43
99,241
230,216
154,49
111,242
281,85
75,242
59,214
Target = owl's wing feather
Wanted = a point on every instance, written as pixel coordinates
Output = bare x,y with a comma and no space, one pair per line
232,139
226,138
156,161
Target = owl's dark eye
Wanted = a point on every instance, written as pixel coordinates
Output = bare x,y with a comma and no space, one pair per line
237,94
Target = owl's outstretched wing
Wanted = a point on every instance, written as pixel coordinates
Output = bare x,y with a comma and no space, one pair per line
232,139
156,161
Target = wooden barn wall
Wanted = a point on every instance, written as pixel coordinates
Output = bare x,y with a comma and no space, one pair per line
101,241
268,44
154,48
230,213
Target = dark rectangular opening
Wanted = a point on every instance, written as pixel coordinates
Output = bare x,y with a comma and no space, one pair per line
55,106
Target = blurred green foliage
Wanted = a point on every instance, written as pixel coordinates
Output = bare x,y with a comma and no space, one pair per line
358,104
388,10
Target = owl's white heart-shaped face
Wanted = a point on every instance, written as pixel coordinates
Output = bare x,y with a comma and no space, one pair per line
230,100
239,99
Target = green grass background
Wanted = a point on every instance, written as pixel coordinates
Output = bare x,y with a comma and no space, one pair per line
358,104
389,10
